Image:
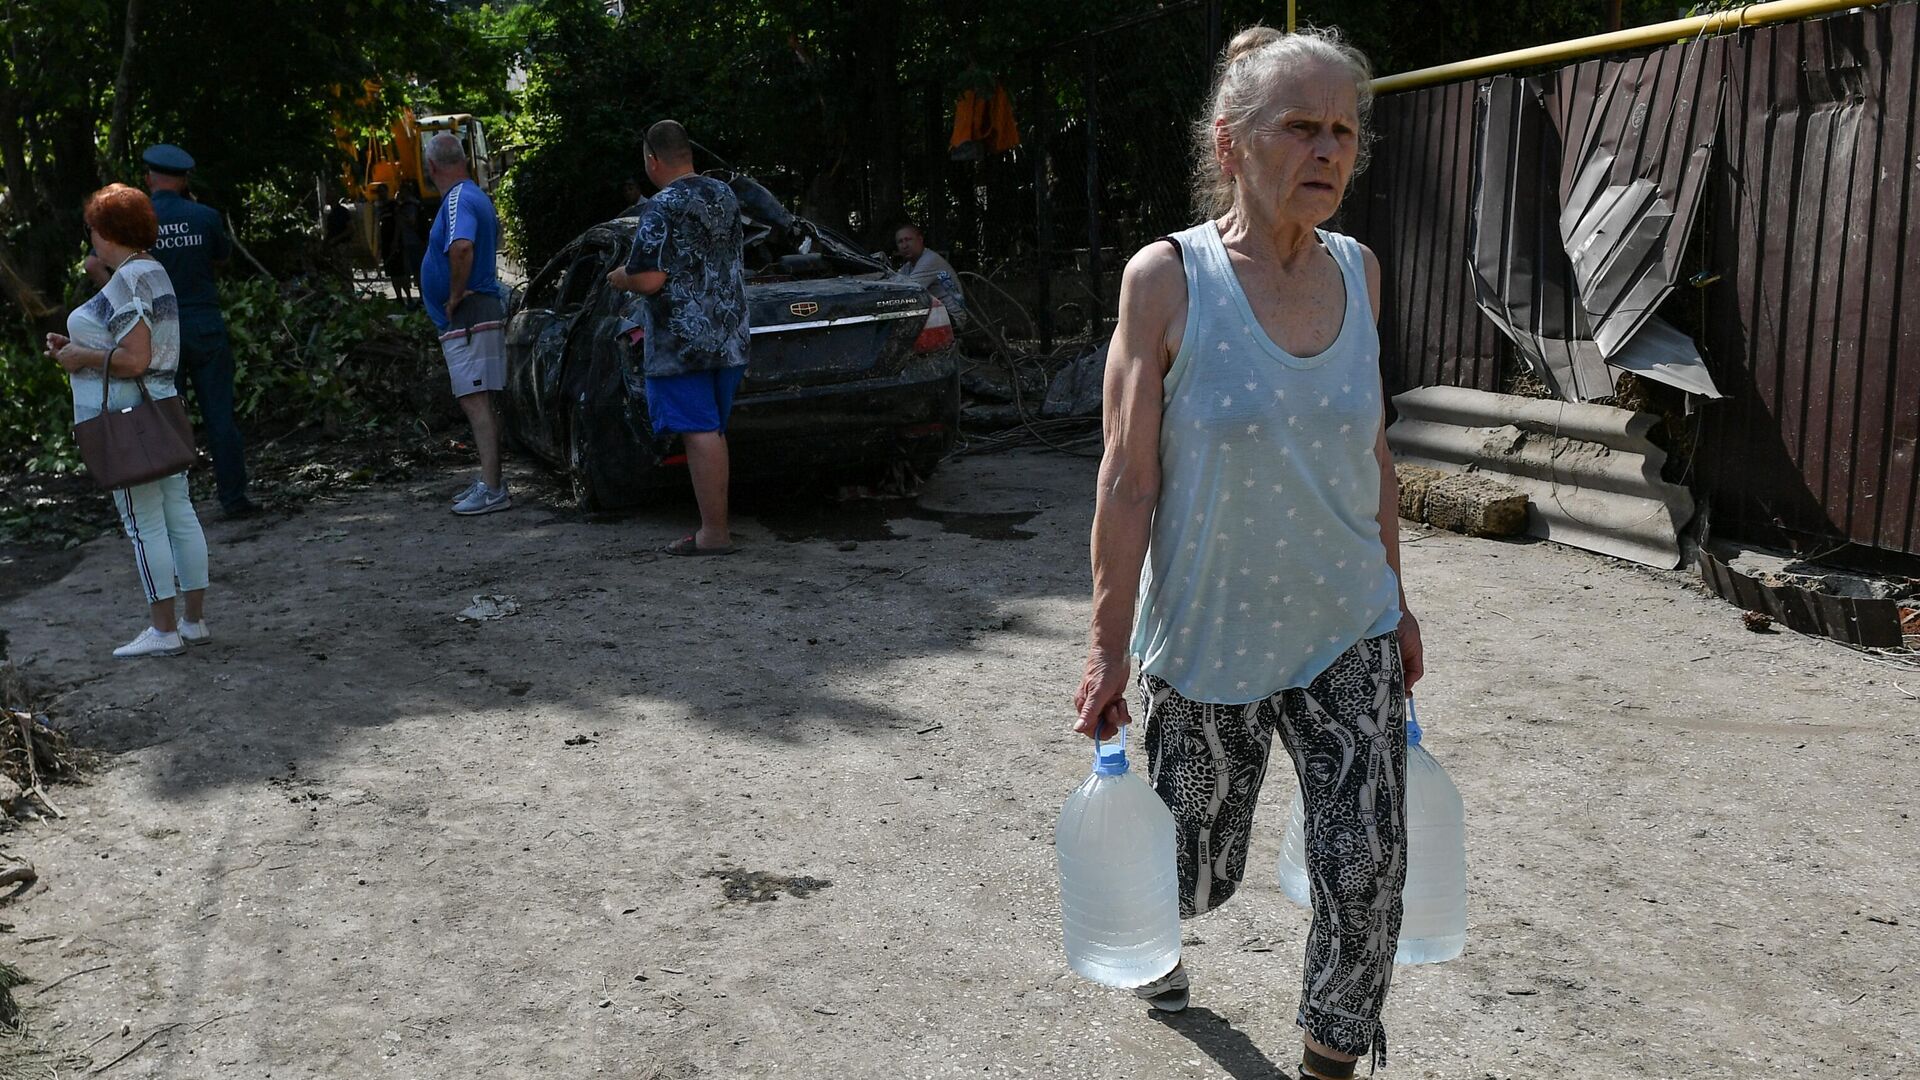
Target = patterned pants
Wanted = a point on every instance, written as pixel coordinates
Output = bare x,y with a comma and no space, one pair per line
1347,736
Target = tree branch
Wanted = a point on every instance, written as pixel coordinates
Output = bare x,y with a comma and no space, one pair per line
122,97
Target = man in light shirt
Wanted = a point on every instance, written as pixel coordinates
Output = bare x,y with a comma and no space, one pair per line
927,269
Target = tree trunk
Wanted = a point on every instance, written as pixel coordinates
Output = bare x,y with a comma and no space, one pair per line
877,58
122,98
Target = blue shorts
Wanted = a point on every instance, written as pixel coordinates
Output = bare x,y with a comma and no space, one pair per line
696,401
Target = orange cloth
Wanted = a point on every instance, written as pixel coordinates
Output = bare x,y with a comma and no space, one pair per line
986,122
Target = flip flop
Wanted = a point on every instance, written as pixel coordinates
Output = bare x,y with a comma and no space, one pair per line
686,545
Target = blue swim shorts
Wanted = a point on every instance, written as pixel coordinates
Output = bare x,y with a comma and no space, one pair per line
696,401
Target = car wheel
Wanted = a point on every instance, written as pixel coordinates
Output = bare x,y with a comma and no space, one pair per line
579,470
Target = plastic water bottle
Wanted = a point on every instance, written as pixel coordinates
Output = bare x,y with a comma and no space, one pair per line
1433,923
1119,888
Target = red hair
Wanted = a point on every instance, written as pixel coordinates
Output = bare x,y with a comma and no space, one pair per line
123,215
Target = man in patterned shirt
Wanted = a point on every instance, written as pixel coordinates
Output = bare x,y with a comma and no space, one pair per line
686,264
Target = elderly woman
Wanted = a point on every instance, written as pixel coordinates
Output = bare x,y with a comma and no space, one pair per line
129,334
1248,501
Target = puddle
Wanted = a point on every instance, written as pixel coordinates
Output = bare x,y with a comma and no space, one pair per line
872,519
759,886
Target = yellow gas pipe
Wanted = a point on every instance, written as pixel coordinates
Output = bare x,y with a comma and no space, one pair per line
1637,37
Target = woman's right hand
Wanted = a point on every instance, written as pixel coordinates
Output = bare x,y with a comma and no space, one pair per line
1100,704
56,342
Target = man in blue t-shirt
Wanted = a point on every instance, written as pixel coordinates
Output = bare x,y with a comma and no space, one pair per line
192,245
686,264
463,297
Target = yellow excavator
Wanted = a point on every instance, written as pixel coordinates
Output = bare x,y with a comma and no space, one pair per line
386,175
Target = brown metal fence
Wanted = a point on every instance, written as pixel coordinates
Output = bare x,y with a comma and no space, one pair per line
1812,325
1412,206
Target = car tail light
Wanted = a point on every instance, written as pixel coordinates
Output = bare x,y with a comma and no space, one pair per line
937,333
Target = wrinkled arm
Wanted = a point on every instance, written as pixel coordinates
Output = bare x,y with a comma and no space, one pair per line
1152,301
131,356
1412,649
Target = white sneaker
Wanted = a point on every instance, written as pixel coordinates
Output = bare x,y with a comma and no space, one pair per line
467,492
195,633
484,500
1168,993
152,642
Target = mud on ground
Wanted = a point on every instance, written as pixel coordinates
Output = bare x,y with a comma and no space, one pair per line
788,813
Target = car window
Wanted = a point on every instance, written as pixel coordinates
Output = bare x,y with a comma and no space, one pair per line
545,287
581,277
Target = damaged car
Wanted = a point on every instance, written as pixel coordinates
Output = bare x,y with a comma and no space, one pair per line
850,369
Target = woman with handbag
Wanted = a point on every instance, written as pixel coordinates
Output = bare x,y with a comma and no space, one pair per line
120,352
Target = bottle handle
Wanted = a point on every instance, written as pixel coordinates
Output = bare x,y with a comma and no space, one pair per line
1098,742
1413,723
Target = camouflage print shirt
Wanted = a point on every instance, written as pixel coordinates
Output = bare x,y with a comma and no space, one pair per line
698,320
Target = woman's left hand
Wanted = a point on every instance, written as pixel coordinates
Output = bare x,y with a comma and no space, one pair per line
64,352
73,358
1413,658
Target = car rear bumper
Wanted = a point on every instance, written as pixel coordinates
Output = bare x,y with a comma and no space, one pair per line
913,412
797,431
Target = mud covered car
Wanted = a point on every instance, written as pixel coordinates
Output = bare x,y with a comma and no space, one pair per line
849,368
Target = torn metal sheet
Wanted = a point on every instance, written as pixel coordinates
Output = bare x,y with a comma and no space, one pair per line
1584,195
1522,277
1662,353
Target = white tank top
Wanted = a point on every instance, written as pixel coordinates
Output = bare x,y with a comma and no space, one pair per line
1266,561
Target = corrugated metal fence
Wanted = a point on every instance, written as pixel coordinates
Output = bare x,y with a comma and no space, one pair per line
1812,222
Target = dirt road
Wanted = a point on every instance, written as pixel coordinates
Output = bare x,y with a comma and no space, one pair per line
789,814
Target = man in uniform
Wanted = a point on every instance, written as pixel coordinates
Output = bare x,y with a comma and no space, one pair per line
192,244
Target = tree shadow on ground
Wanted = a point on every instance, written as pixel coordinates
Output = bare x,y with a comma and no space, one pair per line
343,619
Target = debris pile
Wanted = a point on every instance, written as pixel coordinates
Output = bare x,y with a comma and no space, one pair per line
32,752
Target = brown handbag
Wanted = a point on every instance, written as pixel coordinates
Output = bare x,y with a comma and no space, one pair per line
136,444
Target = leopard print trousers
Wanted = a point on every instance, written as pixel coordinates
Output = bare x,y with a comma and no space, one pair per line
1346,734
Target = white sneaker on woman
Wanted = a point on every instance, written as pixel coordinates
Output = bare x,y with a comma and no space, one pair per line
1169,992
152,642
195,633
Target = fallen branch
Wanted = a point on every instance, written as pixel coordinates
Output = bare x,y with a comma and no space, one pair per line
83,971
25,722
17,873
136,1048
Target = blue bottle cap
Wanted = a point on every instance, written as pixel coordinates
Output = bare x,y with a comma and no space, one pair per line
1413,725
1110,758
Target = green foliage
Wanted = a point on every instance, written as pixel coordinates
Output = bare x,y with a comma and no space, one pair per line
316,354
308,354
834,103
252,88
36,409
